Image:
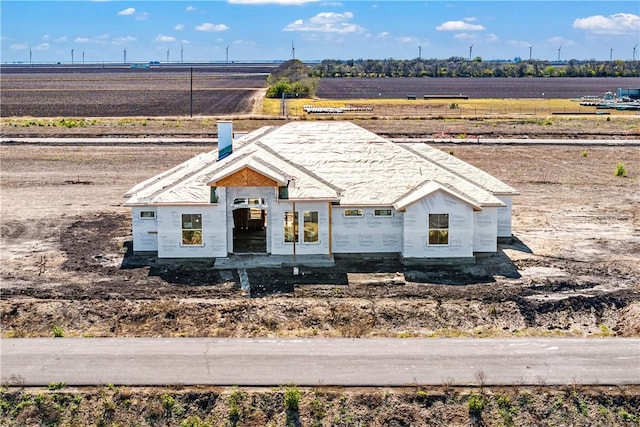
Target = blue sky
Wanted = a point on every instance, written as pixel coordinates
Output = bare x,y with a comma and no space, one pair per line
199,30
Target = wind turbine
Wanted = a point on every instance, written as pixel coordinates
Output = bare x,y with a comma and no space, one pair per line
293,51
635,48
530,51
611,54
419,52
72,56
470,51
181,53
559,50
227,54
125,55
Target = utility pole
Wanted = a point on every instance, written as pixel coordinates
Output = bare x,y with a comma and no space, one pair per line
530,52
227,54
72,56
168,55
83,56
419,52
470,51
125,55
611,54
30,57
181,53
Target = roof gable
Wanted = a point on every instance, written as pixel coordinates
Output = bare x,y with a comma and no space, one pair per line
246,177
427,188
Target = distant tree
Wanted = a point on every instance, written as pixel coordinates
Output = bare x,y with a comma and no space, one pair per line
292,77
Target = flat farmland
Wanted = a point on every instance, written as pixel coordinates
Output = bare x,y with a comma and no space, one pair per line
128,92
401,87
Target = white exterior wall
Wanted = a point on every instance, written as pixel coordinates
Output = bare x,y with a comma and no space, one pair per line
214,231
232,193
504,217
144,230
368,233
485,237
416,228
276,228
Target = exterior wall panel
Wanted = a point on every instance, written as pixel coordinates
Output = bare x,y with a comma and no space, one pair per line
416,228
144,230
366,234
485,238
278,245
214,231
504,217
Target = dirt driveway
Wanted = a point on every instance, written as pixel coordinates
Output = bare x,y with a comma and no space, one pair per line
573,269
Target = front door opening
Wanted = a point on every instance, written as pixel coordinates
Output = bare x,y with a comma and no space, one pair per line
249,230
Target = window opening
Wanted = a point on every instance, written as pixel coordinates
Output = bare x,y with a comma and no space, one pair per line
192,229
353,212
438,229
147,214
310,227
382,212
290,227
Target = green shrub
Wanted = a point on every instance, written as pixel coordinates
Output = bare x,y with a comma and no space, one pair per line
234,401
291,398
56,386
585,153
57,331
620,169
475,404
453,106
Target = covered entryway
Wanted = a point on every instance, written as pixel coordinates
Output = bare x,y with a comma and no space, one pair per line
249,226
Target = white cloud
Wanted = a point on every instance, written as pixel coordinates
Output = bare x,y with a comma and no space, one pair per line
19,46
459,26
62,39
212,28
142,16
326,22
470,18
519,43
165,39
82,40
128,11
179,27
42,46
407,40
383,35
281,2
491,37
123,40
617,24
561,41
190,9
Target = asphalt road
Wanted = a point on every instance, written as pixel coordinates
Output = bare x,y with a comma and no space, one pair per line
310,362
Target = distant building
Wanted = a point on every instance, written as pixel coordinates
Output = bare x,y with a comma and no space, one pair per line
319,189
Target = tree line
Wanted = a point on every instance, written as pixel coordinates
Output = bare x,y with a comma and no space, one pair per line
293,78
461,67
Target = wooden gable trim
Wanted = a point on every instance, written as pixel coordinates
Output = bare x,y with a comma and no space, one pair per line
245,177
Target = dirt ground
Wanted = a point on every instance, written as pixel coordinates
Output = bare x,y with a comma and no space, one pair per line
573,268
